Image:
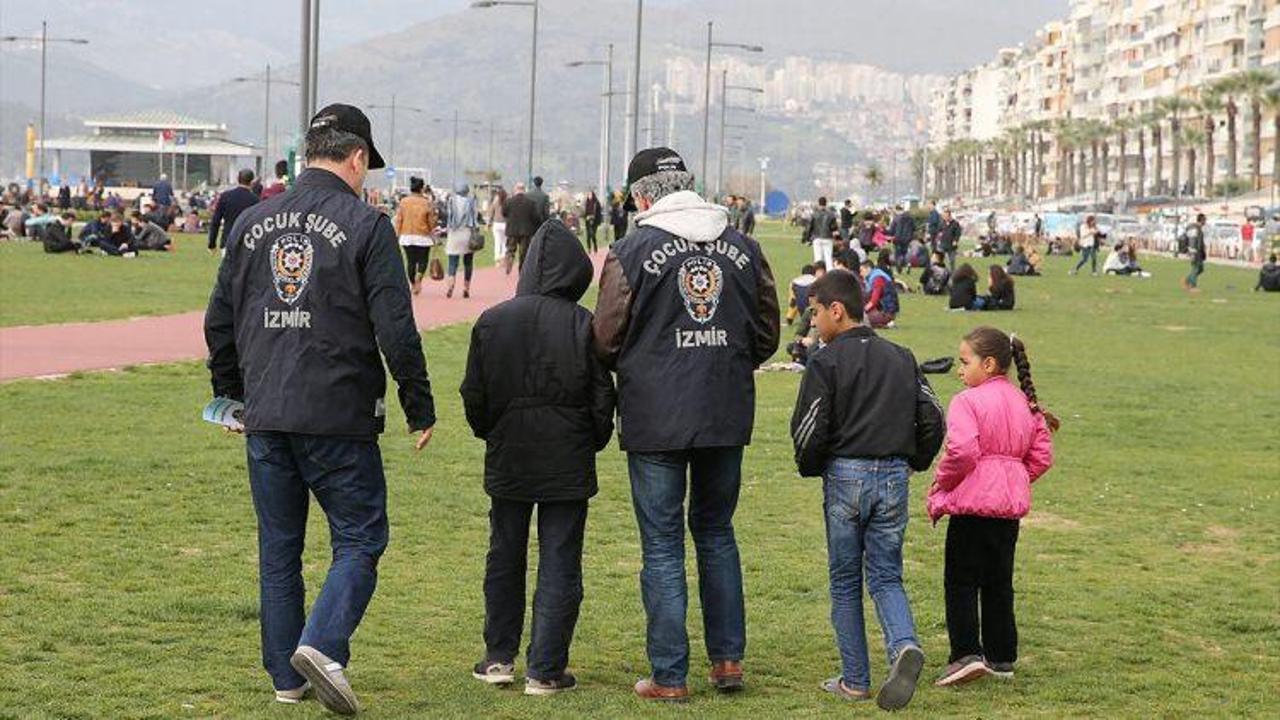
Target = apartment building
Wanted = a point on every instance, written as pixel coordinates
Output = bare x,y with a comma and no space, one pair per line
1112,59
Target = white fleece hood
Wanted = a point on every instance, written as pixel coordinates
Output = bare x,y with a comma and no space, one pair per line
686,215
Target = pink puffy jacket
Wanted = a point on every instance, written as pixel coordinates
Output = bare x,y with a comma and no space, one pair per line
996,447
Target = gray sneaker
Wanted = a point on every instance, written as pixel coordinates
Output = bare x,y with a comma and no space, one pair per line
294,696
903,676
327,679
494,672
1002,670
564,683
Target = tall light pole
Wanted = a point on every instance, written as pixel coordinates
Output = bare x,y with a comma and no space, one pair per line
635,83
725,87
606,144
706,96
266,111
764,165
533,66
305,110
44,41
453,167
393,107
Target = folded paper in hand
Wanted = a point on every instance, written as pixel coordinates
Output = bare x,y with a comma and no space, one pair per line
225,412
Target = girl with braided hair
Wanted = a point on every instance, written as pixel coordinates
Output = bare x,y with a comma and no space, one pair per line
998,443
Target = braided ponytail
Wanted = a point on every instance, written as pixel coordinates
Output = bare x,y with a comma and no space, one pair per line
1023,366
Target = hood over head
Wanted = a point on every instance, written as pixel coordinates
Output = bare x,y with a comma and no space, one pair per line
556,265
686,215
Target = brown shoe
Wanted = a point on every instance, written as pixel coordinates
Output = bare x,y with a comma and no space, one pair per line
647,689
726,675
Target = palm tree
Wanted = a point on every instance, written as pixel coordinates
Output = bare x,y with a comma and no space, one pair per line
1174,106
1272,102
1121,128
1094,133
1064,134
1254,84
1226,90
1154,120
1192,137
1211,102
874,177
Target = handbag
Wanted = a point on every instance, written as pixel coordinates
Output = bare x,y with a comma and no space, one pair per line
436,271
476,243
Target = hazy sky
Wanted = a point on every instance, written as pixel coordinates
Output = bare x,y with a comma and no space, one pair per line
202,42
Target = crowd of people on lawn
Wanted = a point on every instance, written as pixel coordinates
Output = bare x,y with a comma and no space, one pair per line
687,310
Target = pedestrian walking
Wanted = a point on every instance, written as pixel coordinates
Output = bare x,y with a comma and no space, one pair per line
415,223
462,226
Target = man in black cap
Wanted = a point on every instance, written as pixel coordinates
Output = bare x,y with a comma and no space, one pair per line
312,286
687,310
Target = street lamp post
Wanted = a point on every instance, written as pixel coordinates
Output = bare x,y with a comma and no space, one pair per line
725,87
266,111
606,144
706,96
635,83
44,41
456,120
764,165
533,66
393,107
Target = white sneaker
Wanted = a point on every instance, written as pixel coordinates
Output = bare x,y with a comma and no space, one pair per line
327,677
294,696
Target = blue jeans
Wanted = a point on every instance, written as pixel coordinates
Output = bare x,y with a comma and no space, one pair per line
865,507
1088,254
658,481
346,478
468,265
1197,267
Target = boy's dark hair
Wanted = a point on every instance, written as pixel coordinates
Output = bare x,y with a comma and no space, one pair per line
965,272
839,286
537,181
1200,218
820,265
68,216
136,215
245,176
988,342
1272,259
104,215
416,184
806,270
282,168
884,260
822,202
326,143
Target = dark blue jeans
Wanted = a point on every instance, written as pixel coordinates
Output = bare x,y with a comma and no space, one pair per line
346,478
559,592
1088,255
713,477
865,506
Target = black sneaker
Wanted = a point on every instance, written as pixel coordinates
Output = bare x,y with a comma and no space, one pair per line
494,672
903,676
1002,670
564,683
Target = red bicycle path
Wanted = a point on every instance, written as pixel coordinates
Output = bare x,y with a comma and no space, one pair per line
41,351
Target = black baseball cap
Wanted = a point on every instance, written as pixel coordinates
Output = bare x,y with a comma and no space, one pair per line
349,118
653,160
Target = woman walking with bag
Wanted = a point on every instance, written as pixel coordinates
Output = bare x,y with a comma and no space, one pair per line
415,222
498,221
461,225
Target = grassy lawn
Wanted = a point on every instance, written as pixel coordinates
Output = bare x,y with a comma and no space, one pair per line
38,289
1146,574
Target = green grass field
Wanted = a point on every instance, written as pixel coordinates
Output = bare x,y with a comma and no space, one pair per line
1148,573
38,289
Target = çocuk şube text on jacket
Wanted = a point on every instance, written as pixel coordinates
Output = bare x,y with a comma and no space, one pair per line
864,397
311,288
687,310
534,390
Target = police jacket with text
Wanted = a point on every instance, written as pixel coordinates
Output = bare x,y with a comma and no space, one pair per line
687,310
312,286
864,397
534,390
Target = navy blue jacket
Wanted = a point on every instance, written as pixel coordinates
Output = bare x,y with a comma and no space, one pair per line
311,288
228,207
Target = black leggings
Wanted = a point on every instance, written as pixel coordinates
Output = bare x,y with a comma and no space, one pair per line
592,227
416,258
979,568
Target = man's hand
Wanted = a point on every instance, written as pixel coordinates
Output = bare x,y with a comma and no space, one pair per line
423,438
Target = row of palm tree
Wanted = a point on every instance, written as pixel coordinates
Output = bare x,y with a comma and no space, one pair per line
1013,164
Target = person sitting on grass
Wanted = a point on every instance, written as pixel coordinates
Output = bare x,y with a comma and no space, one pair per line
96,230
39,222
1123,260
798,292
1269,276
937,278
1020,263
881,307
542,431
865,417
57,237
119,240
964,288
999,292
147,235
998,444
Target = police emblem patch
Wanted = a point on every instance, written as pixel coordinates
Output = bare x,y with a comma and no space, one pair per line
291,258
701,281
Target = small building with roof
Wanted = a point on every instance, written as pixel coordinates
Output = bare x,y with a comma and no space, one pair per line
133,150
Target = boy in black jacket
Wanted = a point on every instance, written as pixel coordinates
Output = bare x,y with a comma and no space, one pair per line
865,418
543,404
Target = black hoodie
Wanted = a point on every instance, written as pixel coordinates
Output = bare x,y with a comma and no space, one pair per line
534,390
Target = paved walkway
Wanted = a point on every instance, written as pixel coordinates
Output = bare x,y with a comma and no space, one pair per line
52,350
